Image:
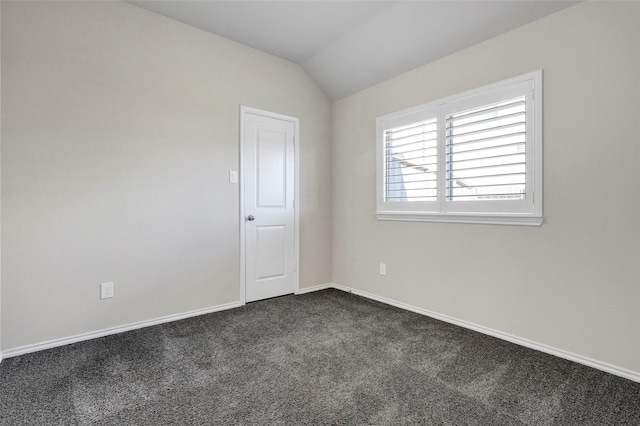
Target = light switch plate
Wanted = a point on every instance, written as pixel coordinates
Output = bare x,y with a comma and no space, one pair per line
233,176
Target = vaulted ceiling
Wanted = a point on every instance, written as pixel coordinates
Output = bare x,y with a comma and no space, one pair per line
347,46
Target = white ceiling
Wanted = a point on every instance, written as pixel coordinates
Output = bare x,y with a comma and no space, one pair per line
347,46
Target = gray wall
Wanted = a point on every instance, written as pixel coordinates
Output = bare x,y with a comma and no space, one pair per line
119,128
572,284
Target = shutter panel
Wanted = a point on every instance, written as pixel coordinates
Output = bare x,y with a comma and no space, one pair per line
485,152
410,162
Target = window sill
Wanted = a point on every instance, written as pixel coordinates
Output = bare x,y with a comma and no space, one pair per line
488,219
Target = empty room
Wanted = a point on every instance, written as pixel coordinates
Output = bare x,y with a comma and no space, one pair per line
320,212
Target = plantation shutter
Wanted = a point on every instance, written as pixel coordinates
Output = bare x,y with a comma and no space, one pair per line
486,152
475,157
410,162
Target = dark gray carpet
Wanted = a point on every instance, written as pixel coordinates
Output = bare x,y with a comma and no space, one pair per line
322,358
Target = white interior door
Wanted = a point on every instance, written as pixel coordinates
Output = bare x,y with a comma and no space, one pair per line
268,172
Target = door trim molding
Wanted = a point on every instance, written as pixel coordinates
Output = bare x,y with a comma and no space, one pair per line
244,110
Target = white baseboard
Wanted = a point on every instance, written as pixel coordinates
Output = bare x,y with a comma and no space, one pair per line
618,371
113,330
315,288
347,289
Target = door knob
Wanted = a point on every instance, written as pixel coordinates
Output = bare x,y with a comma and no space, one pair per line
251,218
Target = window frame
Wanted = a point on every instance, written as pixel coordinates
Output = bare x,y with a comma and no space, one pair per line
509,212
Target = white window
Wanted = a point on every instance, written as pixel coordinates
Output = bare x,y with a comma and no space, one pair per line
475,157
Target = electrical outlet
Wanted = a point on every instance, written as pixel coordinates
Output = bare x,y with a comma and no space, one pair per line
383,269
106,290
233,176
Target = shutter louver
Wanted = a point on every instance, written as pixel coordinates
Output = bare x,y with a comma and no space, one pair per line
410,162
485,152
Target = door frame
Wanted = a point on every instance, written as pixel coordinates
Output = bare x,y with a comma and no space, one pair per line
244,111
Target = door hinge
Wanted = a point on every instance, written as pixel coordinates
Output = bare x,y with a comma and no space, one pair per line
294,204
295,266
